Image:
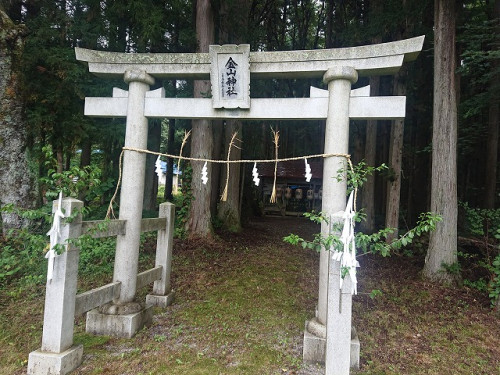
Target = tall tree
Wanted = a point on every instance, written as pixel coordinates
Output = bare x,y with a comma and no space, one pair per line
368,192
442,251
395,163
493,115
16,178
396,142
233,29
199,223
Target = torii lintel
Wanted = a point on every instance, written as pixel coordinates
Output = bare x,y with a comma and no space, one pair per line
375,59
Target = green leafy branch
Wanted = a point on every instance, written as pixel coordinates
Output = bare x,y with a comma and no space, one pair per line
374,243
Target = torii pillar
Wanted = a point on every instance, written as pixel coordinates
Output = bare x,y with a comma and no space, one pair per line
316,337
124,317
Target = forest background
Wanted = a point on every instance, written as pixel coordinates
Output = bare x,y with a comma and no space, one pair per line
47,144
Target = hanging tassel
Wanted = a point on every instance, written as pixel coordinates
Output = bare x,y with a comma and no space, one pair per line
231,144
184,140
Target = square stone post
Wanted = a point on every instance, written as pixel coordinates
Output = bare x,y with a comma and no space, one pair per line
57,354
339,80
162,292
338,326
125,317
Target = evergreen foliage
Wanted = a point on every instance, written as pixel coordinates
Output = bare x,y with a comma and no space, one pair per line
55,84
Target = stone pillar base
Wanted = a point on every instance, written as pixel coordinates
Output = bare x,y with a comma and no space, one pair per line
315,344
46,363
125,325
314,348
160,301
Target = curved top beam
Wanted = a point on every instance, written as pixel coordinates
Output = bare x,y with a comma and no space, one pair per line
376,59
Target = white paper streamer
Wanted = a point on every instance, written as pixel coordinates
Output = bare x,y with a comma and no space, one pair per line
158,169
255,175
55,234
308,171
347,257
204,174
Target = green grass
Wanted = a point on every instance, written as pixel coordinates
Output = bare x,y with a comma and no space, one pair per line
240,308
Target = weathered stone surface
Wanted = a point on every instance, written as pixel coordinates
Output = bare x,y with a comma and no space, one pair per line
96,297
132,190
384,107
118,325
230,83
160,301
125,309
149,276
384,58
44,363
60,295
315,346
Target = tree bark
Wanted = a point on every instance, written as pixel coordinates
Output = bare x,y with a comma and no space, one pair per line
395,163
493,121
151,178
442,251
199,223
16,179
217,131
368,190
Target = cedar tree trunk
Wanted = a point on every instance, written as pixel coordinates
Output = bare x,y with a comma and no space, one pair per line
442,251
199,223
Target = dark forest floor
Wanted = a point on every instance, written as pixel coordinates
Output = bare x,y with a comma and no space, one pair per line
240,307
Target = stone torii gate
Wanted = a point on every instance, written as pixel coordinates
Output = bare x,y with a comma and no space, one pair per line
328,335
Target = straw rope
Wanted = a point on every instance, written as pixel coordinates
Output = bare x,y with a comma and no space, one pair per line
276,160
231,144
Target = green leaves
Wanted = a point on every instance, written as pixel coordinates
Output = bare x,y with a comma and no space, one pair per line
358,175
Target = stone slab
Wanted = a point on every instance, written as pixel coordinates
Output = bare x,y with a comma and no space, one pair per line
314,349
160,301
118,325
46,363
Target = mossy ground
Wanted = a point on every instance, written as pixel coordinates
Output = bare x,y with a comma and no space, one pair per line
240,306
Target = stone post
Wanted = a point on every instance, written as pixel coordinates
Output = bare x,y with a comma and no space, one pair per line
162,292
132,190
338,330
57,354
339,80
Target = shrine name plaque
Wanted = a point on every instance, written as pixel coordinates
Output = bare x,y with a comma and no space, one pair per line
230,75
